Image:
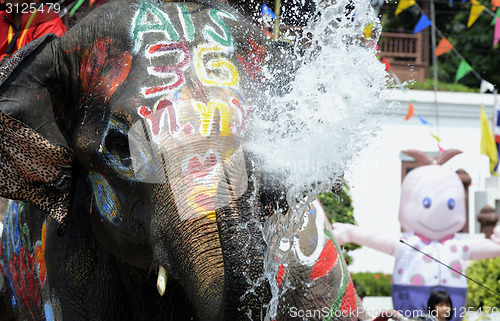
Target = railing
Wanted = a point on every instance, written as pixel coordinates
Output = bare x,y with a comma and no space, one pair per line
401,46
405,52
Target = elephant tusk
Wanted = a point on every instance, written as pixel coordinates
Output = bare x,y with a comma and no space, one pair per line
161,283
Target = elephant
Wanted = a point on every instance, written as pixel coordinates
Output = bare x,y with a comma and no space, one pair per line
133,197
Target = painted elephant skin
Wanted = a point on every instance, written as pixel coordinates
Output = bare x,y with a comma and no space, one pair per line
122,144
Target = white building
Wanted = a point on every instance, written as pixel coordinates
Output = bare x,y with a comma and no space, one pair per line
375,176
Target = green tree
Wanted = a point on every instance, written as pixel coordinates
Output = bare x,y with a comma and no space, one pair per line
338,208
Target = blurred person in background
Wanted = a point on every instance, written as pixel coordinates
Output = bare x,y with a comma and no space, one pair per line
22,21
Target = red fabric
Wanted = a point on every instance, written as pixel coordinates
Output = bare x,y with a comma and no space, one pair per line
43,23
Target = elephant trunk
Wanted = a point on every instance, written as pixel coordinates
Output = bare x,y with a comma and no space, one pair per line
243,250
206,230
240,222
186,244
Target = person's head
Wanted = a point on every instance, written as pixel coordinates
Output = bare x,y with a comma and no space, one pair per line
439,304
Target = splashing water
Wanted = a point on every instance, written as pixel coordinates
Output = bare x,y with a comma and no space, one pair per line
307,137
328,115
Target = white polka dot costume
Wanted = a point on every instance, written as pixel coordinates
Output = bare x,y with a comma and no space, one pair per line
416,269
415,274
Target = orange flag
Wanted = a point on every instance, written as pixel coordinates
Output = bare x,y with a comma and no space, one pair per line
91,2
410,112
495,4
443,47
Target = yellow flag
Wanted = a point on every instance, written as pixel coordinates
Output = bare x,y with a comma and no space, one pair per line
404,4
475,11
435,137
488,146
367,32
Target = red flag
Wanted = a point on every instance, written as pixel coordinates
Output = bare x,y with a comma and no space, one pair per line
443,47
387,64
496,119
410,112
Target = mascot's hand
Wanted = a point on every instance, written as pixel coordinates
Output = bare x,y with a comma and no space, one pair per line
495,237
342,232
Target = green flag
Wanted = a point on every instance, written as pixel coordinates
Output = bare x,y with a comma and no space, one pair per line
463,69
497,15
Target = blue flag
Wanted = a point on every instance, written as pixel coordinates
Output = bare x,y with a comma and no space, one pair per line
425,122
423,23
266,10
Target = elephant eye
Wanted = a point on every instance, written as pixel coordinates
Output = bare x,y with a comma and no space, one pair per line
117,144
451,203
427,202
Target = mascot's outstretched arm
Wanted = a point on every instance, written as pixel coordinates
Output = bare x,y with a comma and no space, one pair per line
383,242
486,248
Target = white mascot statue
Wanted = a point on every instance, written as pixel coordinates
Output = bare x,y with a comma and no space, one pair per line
432,210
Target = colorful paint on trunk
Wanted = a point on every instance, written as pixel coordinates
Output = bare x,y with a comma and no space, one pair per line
227,74
280,275
225,39
343,284
187,22
202,201
151,19
175,73
326,261
208,119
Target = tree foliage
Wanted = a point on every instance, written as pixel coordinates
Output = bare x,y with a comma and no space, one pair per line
338,208
371,284
487,273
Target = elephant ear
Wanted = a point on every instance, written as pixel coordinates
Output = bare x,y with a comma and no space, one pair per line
36,161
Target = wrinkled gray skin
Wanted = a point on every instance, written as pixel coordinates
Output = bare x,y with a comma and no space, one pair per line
196,206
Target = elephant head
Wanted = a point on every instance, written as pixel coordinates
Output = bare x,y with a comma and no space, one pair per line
128,132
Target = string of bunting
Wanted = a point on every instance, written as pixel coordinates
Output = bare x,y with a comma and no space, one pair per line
445,46
411,112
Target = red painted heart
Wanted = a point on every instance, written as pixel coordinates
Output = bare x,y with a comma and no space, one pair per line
144,111
196,169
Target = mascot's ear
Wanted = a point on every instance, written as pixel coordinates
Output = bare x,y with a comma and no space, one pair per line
36,160
423,158
445,155
420,157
